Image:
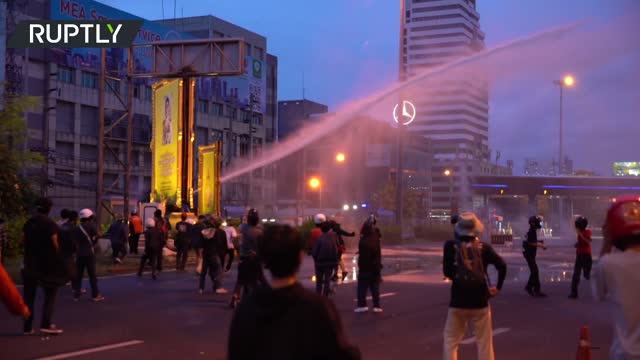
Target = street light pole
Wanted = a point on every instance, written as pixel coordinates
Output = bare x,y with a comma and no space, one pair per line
567,81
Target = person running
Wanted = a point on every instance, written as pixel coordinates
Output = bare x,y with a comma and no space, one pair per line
232,236
153,244
250,268
465,262
135,230
583,255
286,321
616,276
531,245
325,257
369,265
85,237
42,266
342,248
183,241
213,238
118,234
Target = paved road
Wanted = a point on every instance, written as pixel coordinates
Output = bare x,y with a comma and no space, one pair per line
167,319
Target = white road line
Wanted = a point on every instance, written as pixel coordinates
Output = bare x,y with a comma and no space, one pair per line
93,350
472,339
381,295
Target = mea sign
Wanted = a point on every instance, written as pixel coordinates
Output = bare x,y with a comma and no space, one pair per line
75,34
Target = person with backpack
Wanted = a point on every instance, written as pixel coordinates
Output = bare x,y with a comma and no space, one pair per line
325,256
135,230
465,262
183,241
213,239
616,276
85,237
583,255
369,265
153,244
531,245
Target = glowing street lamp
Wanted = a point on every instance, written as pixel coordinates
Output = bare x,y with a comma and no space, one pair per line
314,183
449,174
567,81
345,207
340,157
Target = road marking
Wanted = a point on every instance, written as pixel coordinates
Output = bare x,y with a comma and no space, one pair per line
472,339
93,350
381,295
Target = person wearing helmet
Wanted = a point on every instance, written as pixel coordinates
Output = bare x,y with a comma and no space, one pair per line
135,230
531,245
42,266
183,242
85,237
318,220
250,268
583,255
153,244
616,276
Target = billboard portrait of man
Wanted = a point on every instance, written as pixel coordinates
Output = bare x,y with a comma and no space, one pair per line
167,121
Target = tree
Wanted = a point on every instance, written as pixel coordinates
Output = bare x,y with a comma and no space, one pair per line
385,198
16,191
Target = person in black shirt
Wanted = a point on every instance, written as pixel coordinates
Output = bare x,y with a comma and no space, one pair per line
369,265
67,245
85,237
213,238
153,244
250,273
286,321
43,266
531,245
465,262
118,234
183,241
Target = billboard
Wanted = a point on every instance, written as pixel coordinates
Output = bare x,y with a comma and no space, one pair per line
165,142
89,58
626,168
209,179
249,89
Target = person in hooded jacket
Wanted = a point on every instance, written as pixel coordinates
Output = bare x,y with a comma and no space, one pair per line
285,321
325,257
369,265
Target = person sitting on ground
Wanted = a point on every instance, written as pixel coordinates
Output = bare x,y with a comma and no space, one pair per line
286,321
616,276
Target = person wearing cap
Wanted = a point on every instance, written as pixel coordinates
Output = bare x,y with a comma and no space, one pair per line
465,262
43,266
153,244
616,276
118,234
135,230
183,241
85,237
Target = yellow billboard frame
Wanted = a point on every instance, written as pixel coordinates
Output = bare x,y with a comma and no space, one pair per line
216,149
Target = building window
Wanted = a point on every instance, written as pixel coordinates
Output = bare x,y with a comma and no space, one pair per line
230,112
202,106
216,109
89,80
66,75
136,91
115,86
147,93
258,53
246,116
257,119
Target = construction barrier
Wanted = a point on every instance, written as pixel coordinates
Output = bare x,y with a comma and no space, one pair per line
501,239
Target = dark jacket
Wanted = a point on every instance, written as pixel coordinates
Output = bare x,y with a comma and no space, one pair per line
196,235
291,323
463,294
212,244
84,243
249,241
183,233
341,232
530,243
41,259
325,250
153,240
370,253
67,245
117,232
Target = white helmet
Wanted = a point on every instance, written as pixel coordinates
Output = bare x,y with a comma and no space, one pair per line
150,223
85,213
319,219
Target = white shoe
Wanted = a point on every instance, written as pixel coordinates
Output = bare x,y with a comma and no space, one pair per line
361,309
51,330
377,310
221,291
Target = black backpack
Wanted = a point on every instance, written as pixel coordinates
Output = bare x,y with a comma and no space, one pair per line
470,271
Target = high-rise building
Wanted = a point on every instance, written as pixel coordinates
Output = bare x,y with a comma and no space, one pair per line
452,113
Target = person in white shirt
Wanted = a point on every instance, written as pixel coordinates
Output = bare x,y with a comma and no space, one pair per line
232,234
616,276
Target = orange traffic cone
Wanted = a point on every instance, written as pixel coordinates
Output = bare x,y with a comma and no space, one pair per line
584,345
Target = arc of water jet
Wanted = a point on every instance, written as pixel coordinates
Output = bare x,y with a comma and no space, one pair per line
312,133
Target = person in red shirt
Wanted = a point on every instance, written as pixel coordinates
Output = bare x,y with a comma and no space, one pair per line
319,219
583,255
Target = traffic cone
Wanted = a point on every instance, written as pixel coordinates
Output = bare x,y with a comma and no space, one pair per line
584,345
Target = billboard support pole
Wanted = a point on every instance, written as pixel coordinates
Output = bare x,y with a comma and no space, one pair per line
127,173
100,184
186,142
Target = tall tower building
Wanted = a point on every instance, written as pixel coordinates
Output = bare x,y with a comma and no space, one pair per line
452,113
